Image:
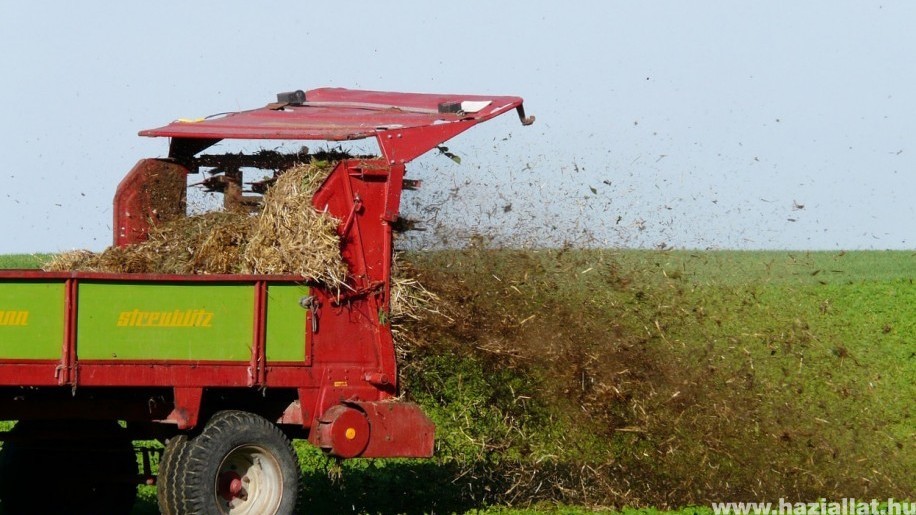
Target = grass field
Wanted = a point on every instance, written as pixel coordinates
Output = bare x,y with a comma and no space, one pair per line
644,378
23,260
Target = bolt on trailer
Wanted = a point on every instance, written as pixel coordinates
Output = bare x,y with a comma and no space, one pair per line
225,369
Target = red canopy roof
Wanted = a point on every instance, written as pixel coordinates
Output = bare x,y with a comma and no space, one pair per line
337,114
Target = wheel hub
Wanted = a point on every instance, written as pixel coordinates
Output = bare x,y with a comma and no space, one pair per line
249,482
230,485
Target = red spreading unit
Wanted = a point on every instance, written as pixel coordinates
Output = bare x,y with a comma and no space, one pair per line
341,393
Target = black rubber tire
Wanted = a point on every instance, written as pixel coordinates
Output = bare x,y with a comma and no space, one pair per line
80,468
171,469
230,437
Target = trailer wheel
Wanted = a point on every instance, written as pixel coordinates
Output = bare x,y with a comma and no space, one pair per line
168,483
240,464
85,467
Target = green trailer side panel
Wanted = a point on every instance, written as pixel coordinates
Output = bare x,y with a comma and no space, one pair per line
31,320
148,321
286,337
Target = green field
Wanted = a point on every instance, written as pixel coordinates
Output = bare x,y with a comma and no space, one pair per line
23,260
641,378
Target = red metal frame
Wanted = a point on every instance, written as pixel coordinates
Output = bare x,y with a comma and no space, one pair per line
336,114
258,358
351,358
68,355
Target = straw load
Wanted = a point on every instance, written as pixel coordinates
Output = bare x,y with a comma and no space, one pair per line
287,236
290,236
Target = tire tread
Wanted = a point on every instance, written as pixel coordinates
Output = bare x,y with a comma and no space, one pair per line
202,454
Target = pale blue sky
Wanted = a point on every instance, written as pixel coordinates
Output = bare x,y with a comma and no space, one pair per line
697,124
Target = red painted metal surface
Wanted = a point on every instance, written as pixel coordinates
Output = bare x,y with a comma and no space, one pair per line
153,191
343,431
398,429
375,429
67,366
33,274
187,407
258,359
349,378
32,373
335,114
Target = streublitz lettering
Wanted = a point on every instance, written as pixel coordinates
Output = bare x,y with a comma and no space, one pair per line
177,318
14,318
